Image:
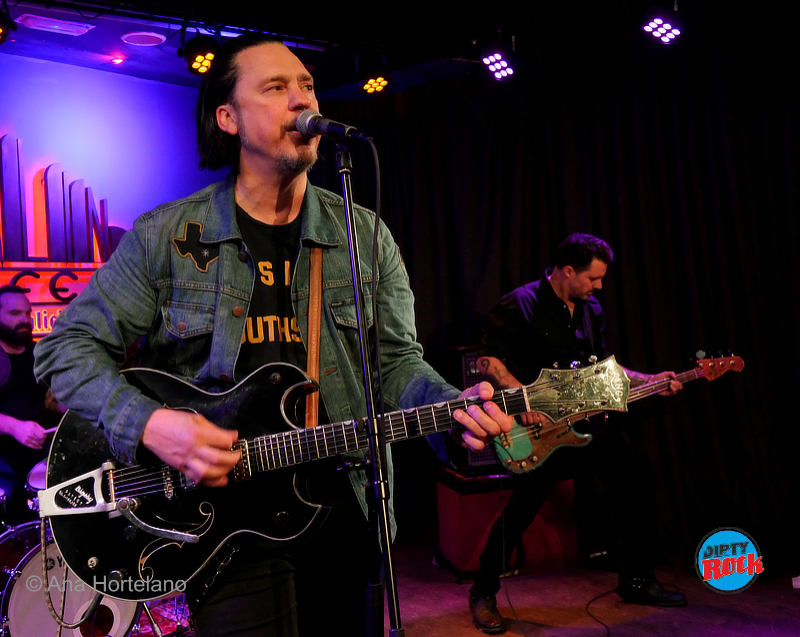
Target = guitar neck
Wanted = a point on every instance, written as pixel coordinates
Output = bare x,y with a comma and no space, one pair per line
557,393
711,368
643,391
304,445
297,446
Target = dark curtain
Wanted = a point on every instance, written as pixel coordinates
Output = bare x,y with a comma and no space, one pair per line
685,160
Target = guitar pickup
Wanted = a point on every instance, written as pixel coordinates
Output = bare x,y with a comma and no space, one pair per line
82,494
241,471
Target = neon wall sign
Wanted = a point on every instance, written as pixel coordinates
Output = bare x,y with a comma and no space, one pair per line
72,238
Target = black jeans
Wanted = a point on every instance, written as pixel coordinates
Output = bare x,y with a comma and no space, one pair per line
314,585
610,459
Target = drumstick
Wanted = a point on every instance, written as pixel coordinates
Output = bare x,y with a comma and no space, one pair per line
50,431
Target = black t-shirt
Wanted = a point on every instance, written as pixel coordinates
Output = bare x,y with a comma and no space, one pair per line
23,398
271,333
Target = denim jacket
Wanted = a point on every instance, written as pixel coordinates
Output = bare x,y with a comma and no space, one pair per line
192,311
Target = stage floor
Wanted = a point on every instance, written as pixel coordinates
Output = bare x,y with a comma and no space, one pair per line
553,604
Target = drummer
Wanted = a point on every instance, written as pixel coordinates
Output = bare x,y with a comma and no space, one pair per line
26,409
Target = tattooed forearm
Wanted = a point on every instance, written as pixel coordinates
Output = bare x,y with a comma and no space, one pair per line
637,378
498,373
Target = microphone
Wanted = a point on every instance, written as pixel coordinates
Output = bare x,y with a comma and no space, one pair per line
311,123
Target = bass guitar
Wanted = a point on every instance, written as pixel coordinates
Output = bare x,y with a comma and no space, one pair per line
137,532
524,448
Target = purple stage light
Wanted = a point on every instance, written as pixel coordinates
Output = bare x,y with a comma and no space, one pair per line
498,66
662,30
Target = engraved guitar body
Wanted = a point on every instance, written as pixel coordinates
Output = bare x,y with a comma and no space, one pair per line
524,448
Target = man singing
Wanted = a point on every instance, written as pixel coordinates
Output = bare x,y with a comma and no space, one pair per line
218,285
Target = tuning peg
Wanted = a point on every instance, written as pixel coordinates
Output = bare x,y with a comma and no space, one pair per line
700,354
592,359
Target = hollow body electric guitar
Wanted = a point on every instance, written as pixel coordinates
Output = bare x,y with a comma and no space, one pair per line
524,448
137,532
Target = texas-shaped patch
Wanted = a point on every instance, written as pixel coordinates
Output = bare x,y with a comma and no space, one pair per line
190,246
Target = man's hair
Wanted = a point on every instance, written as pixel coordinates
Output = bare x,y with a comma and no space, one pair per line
217,148
579,250
6,289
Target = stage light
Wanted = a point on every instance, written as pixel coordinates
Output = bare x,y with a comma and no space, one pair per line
661,24
375,84
6,27
499,61
372,73
662,30
199,54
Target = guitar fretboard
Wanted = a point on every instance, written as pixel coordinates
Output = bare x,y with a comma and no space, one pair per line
643,391
706,368
304,445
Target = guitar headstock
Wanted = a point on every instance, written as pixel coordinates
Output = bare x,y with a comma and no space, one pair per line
713,368
560,393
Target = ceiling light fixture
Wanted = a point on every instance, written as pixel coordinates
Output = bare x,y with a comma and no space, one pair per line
661,24
499,61
143,38
374,85
372,72
199,54
498,65
53,25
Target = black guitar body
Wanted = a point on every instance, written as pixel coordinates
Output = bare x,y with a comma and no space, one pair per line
119,559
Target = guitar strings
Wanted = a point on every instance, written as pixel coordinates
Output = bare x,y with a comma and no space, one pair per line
635,394
267,453
138,480
131,480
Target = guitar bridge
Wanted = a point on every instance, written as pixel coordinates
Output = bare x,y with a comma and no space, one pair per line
169,489
82,494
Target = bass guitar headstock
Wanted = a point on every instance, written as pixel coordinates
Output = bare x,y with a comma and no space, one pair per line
713,368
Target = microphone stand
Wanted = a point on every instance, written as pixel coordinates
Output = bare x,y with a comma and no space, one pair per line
378,496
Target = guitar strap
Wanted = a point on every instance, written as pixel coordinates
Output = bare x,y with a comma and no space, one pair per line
314,317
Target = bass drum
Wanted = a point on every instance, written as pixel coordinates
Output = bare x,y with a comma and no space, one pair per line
23,607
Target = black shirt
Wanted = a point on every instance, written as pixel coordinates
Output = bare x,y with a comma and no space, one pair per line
532,329
271,332
23,398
